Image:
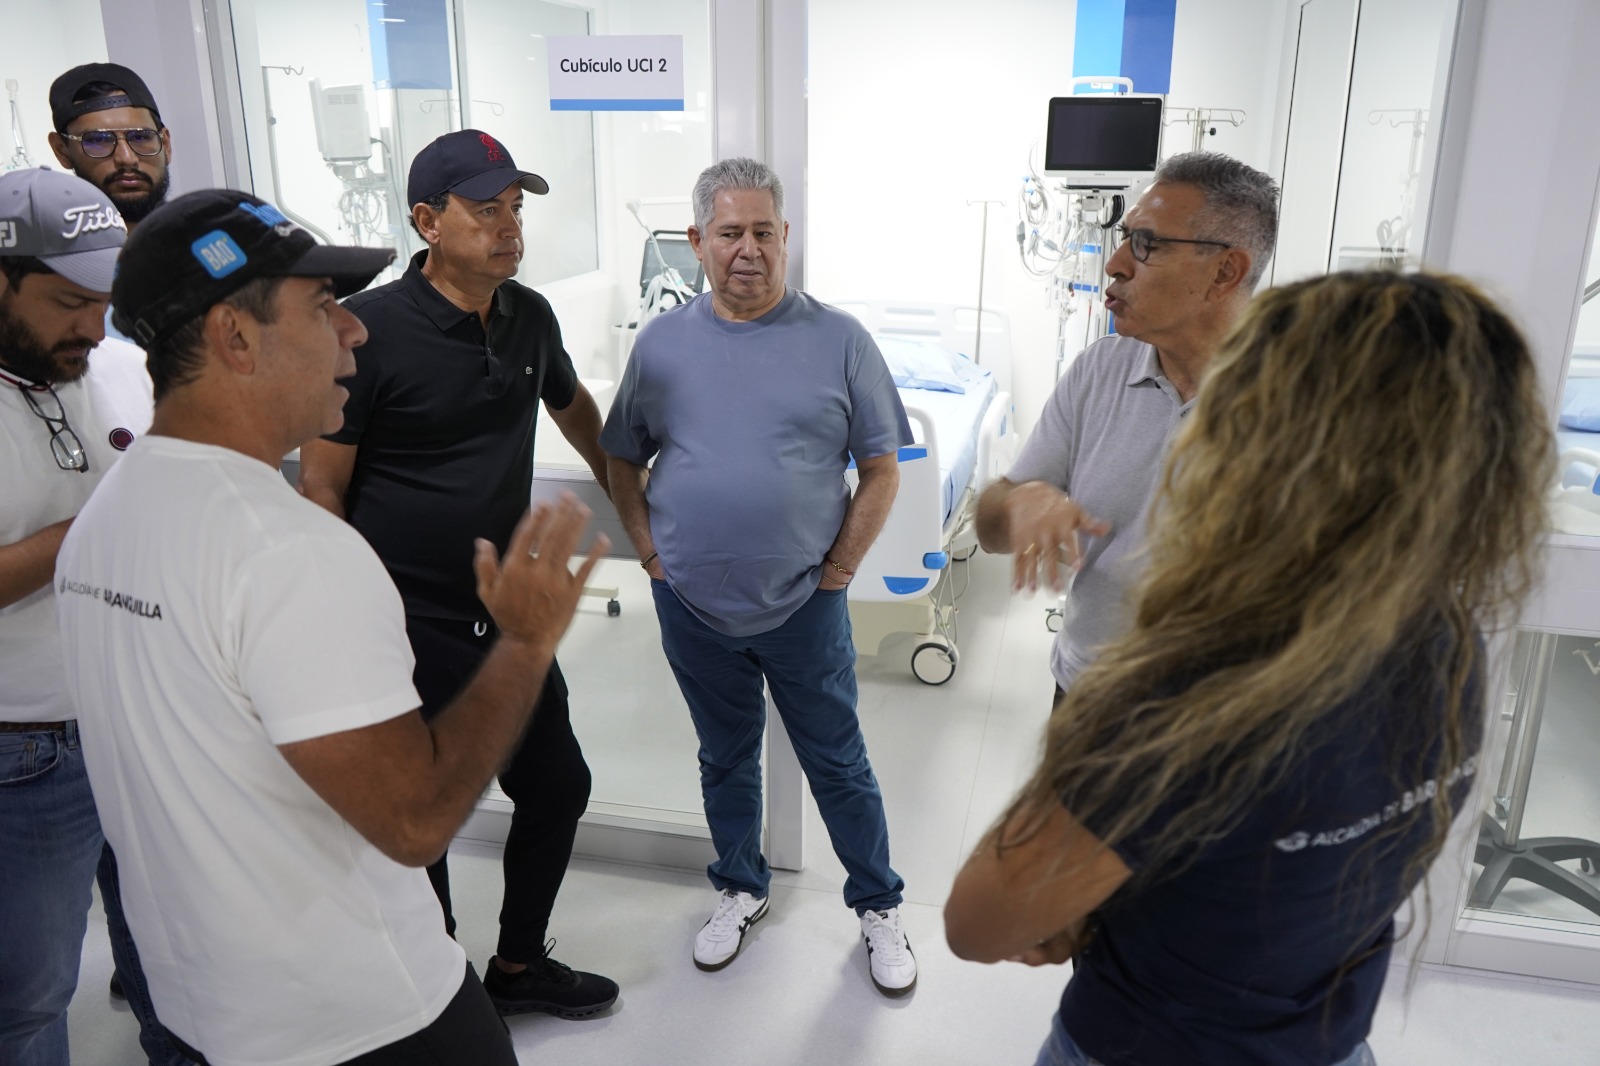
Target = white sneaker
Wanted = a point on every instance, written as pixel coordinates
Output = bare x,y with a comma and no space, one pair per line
718,941
894,968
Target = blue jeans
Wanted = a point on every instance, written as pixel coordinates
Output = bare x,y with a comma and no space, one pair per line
1060,1050
51,849
809,665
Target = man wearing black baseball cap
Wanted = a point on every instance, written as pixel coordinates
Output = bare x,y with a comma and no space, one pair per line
70,403
109,133
254,716
437,450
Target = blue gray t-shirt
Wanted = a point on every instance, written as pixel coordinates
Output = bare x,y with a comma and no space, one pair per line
751,426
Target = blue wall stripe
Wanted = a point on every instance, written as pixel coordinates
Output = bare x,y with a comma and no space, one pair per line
1097,38
1147,44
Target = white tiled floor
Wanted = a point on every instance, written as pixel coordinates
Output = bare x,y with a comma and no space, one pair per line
948,758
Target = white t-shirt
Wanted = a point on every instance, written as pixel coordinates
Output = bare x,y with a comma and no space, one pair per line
209,614
106,409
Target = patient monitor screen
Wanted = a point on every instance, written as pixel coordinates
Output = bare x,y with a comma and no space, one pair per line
1103,133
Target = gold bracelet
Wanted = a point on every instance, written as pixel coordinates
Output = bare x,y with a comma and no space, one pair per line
836,566
646,564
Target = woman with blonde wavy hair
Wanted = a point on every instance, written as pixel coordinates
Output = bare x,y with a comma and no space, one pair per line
1238,794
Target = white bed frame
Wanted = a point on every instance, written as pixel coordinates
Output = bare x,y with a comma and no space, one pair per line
903,584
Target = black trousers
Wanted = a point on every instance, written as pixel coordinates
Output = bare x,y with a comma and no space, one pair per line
470,1032
546,779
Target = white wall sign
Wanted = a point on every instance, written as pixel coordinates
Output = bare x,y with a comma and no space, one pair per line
615,73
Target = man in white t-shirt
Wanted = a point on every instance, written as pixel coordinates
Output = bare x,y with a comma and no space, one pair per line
70,403
269,786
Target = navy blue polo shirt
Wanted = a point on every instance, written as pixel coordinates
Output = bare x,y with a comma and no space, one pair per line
1271,947
443,412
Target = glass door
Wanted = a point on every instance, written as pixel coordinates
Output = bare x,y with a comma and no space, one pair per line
338,96
1528,898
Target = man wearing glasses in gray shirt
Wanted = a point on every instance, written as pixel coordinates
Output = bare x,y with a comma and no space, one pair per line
1194,247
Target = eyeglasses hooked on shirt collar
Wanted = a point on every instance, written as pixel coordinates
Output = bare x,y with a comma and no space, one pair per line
65,447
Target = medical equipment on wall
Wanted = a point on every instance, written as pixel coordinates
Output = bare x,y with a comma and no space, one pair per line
1204,120
663,288
1100,151
19,156
370,206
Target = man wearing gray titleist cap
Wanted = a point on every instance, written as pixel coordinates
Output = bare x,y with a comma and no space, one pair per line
70,403
241,656
1073,504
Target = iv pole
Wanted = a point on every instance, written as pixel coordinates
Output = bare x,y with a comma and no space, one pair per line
983,255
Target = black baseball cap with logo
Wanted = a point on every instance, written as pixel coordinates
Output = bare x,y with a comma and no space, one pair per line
64,222
135,93
468,163
204,246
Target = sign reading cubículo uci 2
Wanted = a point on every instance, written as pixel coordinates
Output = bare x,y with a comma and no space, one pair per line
620,73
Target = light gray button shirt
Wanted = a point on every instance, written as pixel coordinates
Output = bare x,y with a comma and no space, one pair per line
1101,439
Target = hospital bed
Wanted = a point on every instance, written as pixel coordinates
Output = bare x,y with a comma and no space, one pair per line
963,440
1575,507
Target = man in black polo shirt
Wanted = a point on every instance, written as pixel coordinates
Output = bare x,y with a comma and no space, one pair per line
437,450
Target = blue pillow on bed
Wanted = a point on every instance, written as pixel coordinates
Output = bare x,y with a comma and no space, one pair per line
1580,407
922,365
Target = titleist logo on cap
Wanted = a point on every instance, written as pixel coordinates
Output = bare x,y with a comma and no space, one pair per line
90,218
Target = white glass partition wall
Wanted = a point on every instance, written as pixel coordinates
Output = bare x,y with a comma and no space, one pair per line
1528,898
1358,164
58,36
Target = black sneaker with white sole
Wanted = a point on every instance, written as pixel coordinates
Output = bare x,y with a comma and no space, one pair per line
549,987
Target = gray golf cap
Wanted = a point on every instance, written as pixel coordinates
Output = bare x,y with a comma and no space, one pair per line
65,222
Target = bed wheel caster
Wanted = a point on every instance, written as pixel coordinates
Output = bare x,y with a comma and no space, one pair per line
1053,620
613,608
933,663
964,554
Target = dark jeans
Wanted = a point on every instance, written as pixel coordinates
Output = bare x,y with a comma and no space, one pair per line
809,664
546,778
470,1032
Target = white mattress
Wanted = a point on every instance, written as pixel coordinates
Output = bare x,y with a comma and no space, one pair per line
956,417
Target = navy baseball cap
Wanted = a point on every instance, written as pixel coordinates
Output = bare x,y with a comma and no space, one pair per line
135,93
468,163
204,246
65,222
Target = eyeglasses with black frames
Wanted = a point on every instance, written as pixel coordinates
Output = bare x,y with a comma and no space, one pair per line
1142,241
101,144
64,444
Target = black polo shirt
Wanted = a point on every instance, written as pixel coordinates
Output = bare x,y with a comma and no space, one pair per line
442,413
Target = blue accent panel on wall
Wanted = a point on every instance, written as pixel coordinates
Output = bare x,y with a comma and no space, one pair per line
1147,44
1097,38
411,44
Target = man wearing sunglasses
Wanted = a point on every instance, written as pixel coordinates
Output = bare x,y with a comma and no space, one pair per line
63,421
109,133
1190,254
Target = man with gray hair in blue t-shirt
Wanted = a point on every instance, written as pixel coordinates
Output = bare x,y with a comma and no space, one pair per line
752,400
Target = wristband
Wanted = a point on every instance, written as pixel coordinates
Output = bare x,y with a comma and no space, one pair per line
836,566
646,564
